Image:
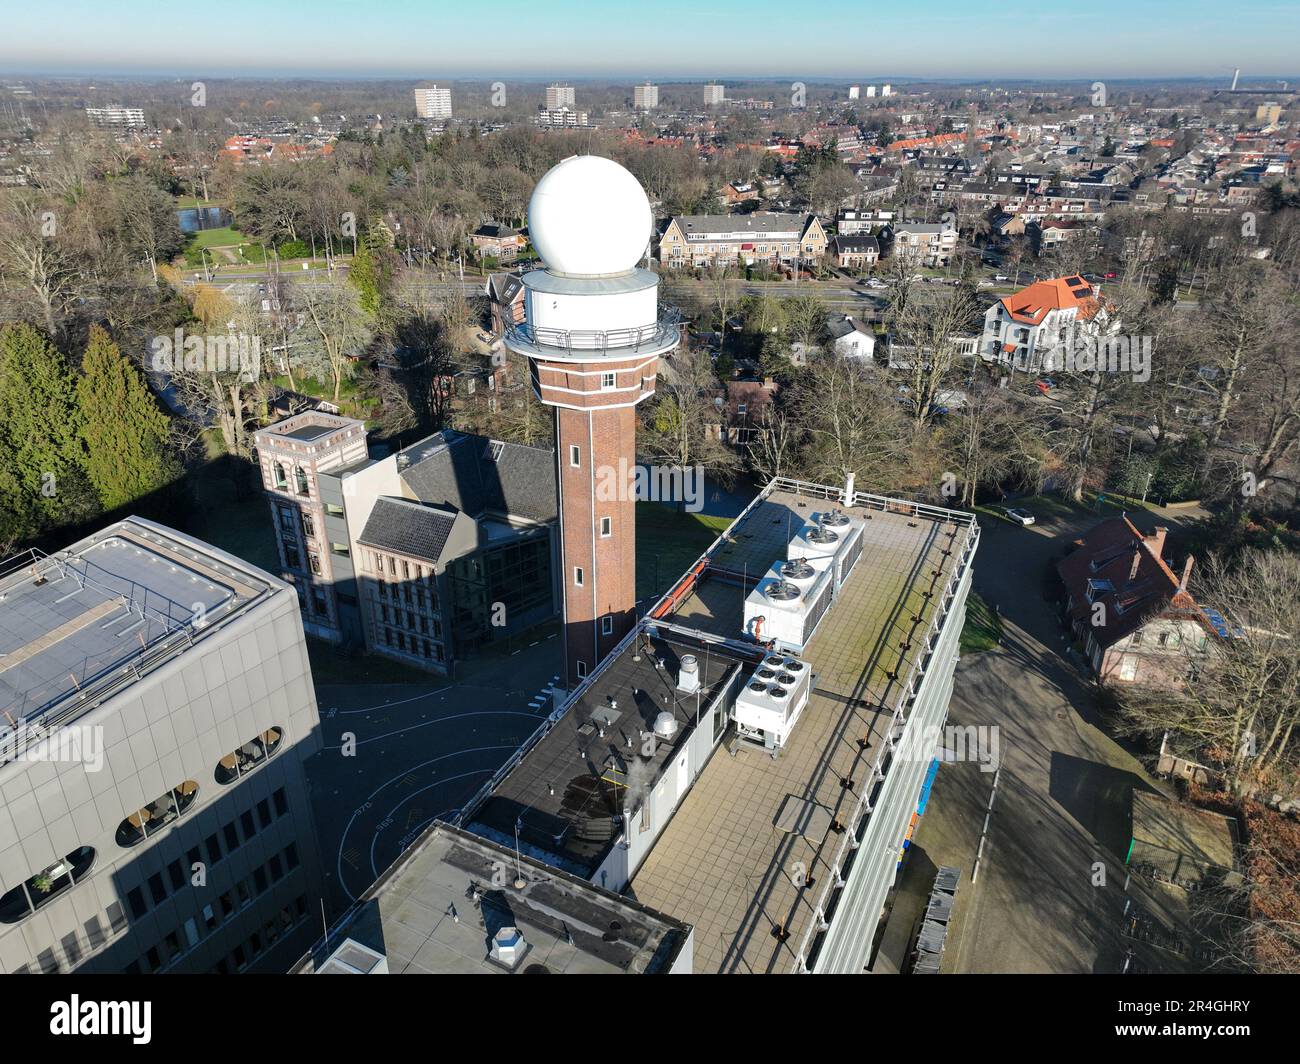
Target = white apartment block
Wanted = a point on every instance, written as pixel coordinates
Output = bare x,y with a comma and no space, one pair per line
116,117
714,95
561,118
854,92
871,91
645,96
560,96
433,102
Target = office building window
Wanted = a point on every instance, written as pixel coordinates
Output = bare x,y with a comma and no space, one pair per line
575,456
577,575
606,527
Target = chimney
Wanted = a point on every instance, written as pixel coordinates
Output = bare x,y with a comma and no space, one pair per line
1187,572
1137,560
1157,541
848,489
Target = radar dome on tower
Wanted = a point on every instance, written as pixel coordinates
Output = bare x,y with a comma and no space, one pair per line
588,216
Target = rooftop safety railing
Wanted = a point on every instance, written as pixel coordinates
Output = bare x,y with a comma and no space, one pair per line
907,694
665,330
94,681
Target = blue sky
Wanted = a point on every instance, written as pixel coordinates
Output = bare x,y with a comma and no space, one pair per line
660,38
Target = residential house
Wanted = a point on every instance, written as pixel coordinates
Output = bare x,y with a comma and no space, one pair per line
505,292
850,338
855,252
763,237
1133,616
923,244
498,242
1033,329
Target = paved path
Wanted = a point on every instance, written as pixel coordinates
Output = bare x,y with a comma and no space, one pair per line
398,756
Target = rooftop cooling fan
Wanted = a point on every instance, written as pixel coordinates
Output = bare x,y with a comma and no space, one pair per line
798,569
783,591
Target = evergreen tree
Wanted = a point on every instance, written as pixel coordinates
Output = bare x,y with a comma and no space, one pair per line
125,434
40,434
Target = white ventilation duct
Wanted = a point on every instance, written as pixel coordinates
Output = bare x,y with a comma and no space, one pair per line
688,675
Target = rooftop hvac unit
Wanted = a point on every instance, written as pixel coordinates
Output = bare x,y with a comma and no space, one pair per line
849,529
688,674
815,545
769,705
832,540
781,612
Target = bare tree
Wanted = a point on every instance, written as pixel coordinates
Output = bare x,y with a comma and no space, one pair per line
679,423
848,423
1242,704
35,258
336,330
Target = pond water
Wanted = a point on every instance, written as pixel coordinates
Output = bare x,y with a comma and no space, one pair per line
194,219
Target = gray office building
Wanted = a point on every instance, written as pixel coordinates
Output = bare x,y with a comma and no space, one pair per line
156,708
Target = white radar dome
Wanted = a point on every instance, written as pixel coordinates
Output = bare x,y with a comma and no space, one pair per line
589,216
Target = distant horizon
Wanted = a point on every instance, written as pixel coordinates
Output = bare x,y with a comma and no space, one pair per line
1273,82
398,39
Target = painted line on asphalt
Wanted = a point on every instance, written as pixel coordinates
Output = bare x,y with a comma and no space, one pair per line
388,782
440,720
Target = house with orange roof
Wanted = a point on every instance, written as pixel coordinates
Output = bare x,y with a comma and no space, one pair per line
1035,328
1134,618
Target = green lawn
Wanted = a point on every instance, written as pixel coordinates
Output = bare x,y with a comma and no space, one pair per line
667,542
983,627
1052,507
223,237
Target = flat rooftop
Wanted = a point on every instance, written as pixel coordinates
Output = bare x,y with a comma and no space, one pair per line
726,863
437,909
73,624
568,795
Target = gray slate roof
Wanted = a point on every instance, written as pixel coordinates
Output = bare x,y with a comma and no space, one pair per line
757,224
410,528
460,471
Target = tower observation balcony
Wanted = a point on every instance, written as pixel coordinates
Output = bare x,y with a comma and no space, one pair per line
578,319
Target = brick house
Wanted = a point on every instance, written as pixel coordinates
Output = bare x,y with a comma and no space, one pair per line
505,292
498,241
1134,617
764,237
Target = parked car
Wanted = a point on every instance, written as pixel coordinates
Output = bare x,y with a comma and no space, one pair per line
1019,516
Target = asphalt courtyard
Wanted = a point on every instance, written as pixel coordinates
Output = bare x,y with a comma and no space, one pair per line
1050,894
398,756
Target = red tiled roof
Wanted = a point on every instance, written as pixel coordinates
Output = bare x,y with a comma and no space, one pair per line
1031,305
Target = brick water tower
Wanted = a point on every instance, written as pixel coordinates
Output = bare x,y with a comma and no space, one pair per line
593,334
